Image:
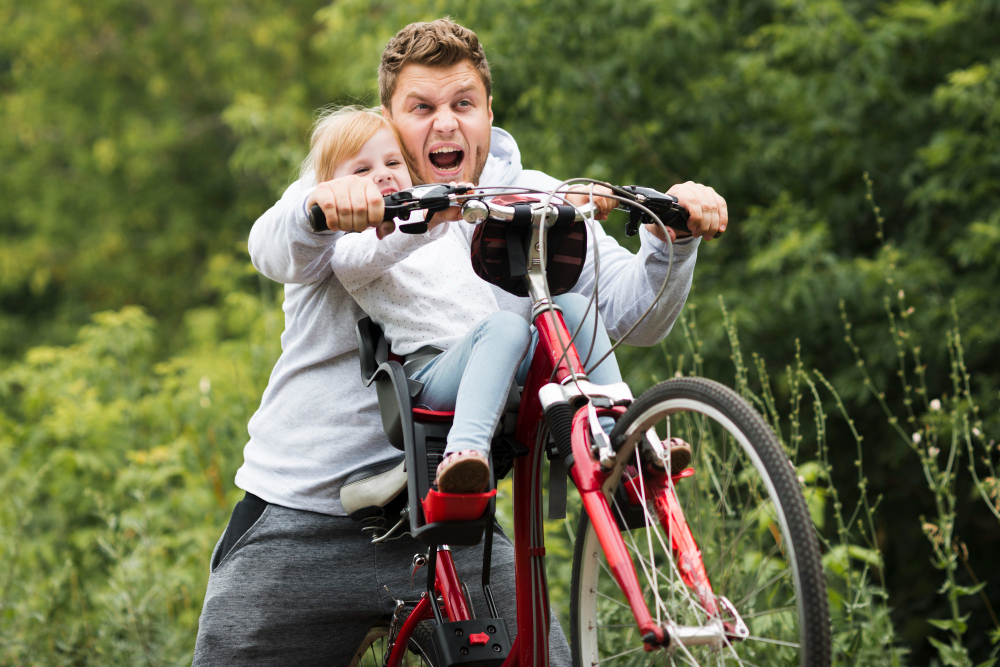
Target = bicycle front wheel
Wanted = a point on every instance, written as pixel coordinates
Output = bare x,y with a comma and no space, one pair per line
747,513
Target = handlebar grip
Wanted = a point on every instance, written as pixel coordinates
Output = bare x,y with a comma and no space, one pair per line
316,219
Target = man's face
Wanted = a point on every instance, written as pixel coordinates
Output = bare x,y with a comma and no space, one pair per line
444,117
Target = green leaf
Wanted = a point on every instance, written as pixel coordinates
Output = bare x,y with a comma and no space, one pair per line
951,625
970,590
953,655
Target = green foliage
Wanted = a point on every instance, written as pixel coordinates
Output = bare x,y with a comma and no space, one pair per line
141,140
118,470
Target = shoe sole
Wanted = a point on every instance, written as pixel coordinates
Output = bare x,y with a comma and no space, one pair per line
680,458
465,476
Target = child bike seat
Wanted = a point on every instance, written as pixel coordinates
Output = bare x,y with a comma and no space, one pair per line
422,435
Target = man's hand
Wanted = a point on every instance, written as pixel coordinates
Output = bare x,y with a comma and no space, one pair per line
351,203
581,195
709,213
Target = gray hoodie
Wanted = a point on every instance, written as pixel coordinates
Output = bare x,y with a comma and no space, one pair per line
317,422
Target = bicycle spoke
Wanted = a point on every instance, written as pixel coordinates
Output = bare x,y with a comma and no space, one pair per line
735,541
778,642
768,612
619,655
780,575
611,599
672,584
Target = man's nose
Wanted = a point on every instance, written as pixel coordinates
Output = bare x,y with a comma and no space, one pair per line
445,121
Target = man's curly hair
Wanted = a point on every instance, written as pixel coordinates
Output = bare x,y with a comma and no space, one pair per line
440,43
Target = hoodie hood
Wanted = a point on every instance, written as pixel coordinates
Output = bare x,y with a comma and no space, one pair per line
503,165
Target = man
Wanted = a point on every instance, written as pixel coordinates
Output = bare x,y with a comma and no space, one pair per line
293,579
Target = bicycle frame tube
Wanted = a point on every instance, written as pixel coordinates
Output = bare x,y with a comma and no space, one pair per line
446,584
529,549
548,355
420,613
449,588
532,594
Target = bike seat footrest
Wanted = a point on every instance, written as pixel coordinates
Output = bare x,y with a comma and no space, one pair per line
480,642
455,506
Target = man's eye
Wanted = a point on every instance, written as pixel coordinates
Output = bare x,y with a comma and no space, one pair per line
465,103
421,107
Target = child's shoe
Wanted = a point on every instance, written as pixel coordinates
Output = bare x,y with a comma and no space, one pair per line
467,471
680,455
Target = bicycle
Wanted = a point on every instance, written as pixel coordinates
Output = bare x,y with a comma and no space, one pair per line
730,562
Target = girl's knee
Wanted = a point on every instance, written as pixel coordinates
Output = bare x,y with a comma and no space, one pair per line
507,326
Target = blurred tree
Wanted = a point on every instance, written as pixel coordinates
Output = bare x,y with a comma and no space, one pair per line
140,141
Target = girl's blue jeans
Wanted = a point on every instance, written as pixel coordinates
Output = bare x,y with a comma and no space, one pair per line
473,376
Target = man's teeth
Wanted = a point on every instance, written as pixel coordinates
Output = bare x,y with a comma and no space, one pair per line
452,163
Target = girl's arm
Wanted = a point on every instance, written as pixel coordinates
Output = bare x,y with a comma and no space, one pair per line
362,257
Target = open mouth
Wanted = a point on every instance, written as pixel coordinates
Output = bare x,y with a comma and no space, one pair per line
447,159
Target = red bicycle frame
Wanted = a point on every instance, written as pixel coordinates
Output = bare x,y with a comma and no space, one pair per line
550,363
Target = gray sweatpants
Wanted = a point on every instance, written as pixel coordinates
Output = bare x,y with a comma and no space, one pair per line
300,588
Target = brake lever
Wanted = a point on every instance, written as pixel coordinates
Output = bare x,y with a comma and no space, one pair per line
432,198
667,207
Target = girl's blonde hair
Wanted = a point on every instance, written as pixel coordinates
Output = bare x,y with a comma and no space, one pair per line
340,133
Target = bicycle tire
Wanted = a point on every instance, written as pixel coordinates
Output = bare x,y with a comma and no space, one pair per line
372,649
775,580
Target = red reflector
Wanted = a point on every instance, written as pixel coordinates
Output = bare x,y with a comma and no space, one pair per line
480,638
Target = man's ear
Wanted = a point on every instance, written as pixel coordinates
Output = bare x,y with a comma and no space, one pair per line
489,106
388,113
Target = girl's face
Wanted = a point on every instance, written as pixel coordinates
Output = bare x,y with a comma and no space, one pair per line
381,160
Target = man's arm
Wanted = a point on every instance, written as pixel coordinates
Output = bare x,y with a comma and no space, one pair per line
628,284
282,244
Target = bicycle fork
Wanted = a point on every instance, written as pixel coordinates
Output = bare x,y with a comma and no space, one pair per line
655,486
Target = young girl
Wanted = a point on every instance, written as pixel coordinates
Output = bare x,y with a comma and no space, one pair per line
422,290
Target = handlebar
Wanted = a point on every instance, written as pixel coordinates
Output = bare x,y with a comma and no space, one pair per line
475,209
399,205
